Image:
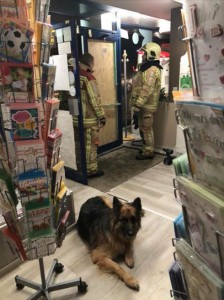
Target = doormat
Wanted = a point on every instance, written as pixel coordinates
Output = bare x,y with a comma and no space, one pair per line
119,166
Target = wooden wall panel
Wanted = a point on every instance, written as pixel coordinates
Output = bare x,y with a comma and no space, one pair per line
104,72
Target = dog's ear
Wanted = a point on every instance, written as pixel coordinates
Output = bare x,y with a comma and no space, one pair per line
138,205
116,205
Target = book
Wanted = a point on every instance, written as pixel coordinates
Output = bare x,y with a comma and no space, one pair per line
25,118
16,39
43,40
61,229
30,155
60,205
8,197
13,9
58,176
7,136
42,10
17,82
47,82
16,242
51,114
53,148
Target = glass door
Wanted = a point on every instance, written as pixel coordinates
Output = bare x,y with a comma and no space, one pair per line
73,147
105,47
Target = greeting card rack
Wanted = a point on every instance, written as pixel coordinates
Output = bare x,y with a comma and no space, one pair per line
218,235
181,292
31,141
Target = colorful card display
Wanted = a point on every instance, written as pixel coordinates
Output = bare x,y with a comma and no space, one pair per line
25,119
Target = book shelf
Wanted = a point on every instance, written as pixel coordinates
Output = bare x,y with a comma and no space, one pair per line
32,172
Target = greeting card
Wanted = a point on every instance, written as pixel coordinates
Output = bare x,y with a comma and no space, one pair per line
13,9
25,119
43,38
42,9
17,82
15,42
30,156
48,79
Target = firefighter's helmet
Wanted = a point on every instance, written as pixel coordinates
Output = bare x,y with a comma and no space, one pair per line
152,50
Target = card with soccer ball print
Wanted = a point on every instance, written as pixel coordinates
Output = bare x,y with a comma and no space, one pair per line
17,82
15,42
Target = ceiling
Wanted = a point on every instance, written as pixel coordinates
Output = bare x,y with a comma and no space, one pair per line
154,8
154,11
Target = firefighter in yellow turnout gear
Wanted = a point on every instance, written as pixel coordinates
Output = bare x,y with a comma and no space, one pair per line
145,97
93,113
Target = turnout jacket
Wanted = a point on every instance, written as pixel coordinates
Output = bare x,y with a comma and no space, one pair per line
146,90
91,101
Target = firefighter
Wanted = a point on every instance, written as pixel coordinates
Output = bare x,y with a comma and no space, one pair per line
93,113
145,97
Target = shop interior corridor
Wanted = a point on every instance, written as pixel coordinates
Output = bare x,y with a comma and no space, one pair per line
153,246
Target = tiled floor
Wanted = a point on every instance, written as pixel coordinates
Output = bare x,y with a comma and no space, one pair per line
153,247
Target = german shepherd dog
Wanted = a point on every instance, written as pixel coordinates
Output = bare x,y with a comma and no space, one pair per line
109,229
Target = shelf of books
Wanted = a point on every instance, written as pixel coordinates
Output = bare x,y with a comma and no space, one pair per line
198,270
34,201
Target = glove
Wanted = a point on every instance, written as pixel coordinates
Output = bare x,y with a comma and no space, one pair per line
135,120
102,122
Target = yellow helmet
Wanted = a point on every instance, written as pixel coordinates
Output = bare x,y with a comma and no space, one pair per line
152,50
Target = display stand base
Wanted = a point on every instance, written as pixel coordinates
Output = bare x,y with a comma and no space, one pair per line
43,289
128,137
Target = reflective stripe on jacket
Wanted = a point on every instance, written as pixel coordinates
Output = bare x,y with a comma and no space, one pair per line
146,90
90,97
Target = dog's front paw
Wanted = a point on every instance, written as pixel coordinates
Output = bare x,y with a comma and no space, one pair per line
129,262
133,284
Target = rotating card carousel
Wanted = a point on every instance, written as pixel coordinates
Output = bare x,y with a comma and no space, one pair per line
31,170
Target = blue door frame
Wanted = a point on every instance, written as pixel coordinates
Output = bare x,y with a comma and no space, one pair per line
112,36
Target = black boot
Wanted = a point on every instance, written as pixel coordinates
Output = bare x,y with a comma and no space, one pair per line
142,156
96,174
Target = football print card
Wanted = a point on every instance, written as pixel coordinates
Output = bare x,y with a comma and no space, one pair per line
15,42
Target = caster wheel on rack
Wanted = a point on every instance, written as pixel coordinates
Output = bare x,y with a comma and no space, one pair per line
82,287
58,268
19,285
